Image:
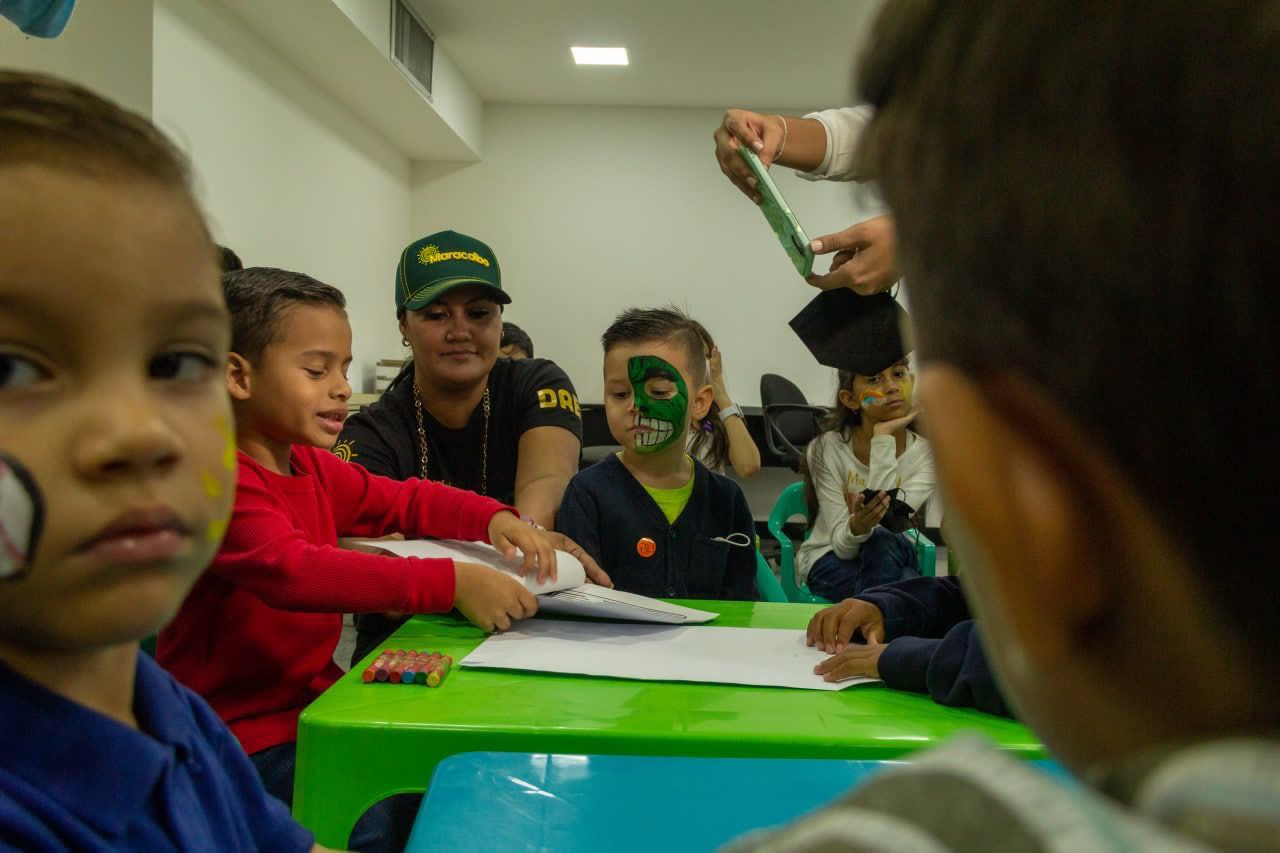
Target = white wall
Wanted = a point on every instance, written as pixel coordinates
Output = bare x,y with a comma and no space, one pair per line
452,97
106,46
592,210
288,176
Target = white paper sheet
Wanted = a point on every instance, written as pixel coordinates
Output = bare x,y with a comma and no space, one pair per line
569,572
601,602
568,594
767,657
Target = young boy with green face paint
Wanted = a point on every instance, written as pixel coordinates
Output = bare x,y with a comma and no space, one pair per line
659,522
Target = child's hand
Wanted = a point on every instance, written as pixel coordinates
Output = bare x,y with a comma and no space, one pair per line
595,574
490,599
831,628
853,661
864,515
507,533
896,425
720,389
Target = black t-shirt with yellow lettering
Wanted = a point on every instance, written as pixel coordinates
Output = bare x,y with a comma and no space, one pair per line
523,395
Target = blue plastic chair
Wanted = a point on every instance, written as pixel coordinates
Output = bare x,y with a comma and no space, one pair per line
790,504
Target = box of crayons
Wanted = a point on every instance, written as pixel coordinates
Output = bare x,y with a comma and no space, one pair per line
398,666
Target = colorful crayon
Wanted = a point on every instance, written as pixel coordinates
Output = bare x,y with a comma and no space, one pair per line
384,672
401,666
371,672
408,673
439,671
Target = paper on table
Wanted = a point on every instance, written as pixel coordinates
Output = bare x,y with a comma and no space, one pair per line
768,657
568,594
600,602
569,571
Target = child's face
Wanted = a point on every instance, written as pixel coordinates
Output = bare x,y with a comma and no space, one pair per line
297,391
113,334
645,406
885,396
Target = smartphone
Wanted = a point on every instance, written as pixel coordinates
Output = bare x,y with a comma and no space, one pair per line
868,495
899,515
781,219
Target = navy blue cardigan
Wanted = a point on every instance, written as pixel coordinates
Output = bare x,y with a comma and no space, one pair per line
934,645
608,512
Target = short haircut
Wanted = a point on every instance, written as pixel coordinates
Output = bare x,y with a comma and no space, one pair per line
513,335
710,441
1088,197
230,260
258,298
640,325
52,122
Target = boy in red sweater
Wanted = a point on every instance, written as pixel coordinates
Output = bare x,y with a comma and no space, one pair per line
256,636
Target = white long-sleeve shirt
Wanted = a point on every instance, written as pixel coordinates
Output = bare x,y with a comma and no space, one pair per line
836,472
844,127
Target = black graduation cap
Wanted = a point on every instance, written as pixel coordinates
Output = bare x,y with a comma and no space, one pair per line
851,332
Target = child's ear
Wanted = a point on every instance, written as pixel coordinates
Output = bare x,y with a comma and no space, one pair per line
848,399
700,403
239,377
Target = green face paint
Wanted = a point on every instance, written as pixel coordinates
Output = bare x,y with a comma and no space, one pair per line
663,418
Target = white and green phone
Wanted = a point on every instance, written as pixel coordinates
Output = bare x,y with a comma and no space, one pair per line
781,219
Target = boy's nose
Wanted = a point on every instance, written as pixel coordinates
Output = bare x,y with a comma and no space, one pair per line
342,390
131,438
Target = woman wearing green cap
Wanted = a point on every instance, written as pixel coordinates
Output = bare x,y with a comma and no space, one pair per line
457,413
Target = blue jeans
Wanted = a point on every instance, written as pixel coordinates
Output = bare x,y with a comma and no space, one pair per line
884,558
384,828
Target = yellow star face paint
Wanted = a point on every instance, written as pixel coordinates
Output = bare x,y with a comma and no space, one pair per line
215,488
229,443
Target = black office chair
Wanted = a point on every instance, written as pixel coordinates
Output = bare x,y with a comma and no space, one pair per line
790,423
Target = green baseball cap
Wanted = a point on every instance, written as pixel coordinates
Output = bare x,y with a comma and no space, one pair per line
434,265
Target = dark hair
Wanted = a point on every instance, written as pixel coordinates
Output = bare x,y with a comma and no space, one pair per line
258,298
513,335
1068,198
56,123
230,260
638,325
841,418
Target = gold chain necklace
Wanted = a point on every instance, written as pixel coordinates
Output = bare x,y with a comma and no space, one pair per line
424,459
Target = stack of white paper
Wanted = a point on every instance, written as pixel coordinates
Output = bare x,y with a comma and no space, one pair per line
568,594
766,657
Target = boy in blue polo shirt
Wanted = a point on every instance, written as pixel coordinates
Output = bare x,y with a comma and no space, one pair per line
117,465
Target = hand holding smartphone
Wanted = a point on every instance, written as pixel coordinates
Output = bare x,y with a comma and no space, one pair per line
779,215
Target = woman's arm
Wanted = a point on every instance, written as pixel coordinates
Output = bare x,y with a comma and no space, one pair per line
548,459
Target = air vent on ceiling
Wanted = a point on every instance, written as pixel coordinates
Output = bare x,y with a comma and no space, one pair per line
412,45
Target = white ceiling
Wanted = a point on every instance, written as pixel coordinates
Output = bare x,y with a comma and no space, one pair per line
685,53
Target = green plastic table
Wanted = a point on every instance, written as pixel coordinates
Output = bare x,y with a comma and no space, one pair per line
359,743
